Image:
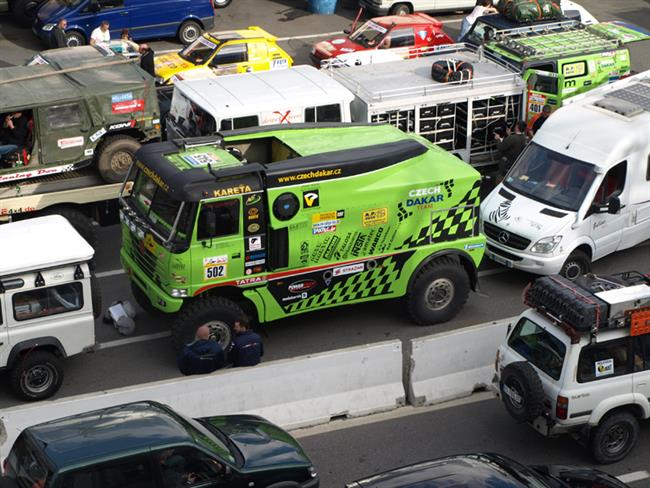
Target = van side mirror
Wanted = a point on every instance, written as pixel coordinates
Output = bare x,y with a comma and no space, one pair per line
614,205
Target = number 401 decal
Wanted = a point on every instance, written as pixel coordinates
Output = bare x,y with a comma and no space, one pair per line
215,272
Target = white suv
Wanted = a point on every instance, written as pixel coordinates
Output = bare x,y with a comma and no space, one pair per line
47,300
578,361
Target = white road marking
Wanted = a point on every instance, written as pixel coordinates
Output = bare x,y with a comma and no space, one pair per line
113,272
634,476
132,340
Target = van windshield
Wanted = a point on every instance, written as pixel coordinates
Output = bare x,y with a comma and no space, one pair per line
551,178
539,347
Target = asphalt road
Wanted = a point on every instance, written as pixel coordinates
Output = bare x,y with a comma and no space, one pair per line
352,449
148,356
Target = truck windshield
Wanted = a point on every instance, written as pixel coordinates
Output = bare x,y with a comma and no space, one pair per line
159,209
199,52
369,34
551,178
26,467
539,347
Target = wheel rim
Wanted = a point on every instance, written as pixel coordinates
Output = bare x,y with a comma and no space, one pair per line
38,379
73,41
439,294
121,161
190,33
573,270
220,3
220,332
616,438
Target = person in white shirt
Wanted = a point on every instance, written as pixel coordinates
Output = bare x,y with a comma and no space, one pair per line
101,35
482,7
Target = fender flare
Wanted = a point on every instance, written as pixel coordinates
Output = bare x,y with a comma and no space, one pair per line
612,403
40,343
465,260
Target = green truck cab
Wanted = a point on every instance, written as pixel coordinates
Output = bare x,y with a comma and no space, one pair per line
562,59
275,221
82,108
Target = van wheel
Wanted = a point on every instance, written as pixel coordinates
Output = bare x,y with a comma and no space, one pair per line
24,11
189,32
115,156
78,220
400,9
36,376
218,313
438,292
74,39
576,265
522,391
221,3
614,437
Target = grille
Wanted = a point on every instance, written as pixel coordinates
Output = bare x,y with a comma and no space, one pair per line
504,237
503,253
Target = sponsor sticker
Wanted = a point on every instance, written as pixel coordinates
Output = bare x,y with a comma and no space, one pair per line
324,227
121,97
89,152
254,243
349,269
200,160
215,267
128,106
69,142
252,228
311,198
212,260
374,216
469,247
604,367
122,125
253,199
250,281
301,286
253,213
97,135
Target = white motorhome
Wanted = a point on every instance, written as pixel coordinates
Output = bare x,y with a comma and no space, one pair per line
299,94
458,116
581,189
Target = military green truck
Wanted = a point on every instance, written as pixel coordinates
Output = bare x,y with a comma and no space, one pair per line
275,221
559,60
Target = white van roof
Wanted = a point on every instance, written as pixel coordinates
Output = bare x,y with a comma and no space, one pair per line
242,94
41,242
599,126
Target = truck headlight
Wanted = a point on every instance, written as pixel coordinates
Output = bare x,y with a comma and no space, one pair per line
179,292
546,244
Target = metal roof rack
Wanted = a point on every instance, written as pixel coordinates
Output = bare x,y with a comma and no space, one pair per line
632,100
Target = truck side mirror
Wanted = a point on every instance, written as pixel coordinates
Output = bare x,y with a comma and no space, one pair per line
614,205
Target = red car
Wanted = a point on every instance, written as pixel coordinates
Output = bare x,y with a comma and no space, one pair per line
414,30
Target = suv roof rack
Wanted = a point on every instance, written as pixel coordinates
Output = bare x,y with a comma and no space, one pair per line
593,302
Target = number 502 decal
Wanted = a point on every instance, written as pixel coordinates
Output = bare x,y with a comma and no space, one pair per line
215,272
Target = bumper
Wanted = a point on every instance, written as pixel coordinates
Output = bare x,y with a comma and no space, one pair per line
532,263
372,8
158,298
312,483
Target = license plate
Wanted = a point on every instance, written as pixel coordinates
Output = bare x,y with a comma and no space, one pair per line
503,261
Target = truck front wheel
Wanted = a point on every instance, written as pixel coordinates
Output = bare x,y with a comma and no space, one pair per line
115,156
36,376
438,292
218,313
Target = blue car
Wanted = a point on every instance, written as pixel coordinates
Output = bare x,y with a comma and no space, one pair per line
145,19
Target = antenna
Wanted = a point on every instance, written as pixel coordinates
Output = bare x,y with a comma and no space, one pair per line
211,171
573,139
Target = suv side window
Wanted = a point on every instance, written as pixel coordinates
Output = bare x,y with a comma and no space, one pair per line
604,360
187,466
131,472
63,116
642,352
539,347
53,300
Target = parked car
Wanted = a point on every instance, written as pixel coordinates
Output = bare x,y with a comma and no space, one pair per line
148,445
487,469
416,31
145,19
401,7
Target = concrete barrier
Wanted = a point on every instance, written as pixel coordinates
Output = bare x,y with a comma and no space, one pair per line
292,393
453,364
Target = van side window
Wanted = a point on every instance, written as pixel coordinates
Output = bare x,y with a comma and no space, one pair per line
324,113
53,300
218,219
229,54
605,360
106,4
131,472
63,116
612,184
239,122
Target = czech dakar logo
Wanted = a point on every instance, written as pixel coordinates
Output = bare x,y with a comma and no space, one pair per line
311,199
501,212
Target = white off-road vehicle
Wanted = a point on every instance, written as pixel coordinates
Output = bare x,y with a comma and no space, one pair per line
47,299
578,361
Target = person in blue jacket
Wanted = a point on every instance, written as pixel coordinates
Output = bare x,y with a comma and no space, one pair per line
202,355
247,348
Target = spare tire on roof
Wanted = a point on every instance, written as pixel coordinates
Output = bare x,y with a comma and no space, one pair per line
447,70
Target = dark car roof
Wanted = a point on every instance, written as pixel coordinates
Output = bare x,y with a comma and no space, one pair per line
467,471
109,431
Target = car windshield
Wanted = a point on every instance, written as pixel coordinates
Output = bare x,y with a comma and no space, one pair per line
25,466
480,33
200,51
369,34
524,475
539,347
551,178
158,208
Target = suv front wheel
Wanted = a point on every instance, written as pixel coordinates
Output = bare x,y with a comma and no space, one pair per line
36,376
614,437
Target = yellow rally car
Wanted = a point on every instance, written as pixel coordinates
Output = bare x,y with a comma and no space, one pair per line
226,52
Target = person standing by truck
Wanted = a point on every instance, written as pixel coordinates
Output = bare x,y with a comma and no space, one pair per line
58,34
511,146
540,119
482,7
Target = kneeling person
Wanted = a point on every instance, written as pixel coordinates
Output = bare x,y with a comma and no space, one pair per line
201,355
247,348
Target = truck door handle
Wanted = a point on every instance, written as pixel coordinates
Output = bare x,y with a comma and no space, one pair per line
236,256
638,384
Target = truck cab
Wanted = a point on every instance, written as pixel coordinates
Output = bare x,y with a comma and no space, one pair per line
579,191
48,301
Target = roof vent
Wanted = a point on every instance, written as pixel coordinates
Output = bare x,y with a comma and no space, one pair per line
629,101
621,107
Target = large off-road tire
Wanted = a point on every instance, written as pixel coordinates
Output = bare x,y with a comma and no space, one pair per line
400,9
614,437
576,265
96,295
522,391
189,32
74,38
36,376
438,292
143,300
114,157
221,3
79,221
24,11
218,313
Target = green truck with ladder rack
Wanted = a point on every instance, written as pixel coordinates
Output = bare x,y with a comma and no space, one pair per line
274,221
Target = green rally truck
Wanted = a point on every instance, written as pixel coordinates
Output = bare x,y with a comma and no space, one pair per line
275,221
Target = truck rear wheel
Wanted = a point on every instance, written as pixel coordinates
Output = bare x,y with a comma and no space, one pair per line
115,156
36,376
218,313
438,292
